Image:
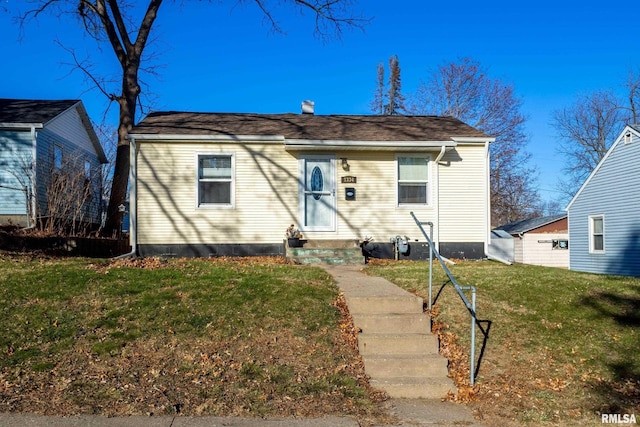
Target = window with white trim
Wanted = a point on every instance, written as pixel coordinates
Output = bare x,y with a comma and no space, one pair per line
413,180
596,234
215,180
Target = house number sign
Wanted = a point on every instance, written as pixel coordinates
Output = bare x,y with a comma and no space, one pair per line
349,179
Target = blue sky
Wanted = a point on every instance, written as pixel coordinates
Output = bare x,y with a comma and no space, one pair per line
222,57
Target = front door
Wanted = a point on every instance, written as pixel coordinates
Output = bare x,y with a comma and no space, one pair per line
317,193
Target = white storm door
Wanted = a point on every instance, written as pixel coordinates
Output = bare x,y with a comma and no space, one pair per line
317,193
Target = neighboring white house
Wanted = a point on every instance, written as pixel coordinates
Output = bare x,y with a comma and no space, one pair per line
39,138
540,241
230,184
604,215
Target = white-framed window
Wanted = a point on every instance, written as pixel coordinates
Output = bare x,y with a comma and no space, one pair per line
413,180
596,234
216,180
57,157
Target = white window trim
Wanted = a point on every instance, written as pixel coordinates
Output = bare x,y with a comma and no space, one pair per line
592,250
216,206
429,159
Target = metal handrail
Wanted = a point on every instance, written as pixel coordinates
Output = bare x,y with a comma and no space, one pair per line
471,306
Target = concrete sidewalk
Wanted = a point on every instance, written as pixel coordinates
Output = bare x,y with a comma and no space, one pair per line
26,420
409,412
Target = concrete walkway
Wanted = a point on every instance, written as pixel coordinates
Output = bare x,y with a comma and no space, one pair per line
409,412
357,286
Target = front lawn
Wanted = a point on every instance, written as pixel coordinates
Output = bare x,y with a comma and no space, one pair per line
253,337
564,347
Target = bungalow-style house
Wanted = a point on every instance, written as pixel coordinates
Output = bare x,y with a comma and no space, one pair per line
604,215
41,141
208,184
540,241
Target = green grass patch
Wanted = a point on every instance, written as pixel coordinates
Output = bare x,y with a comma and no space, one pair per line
563,347
222,337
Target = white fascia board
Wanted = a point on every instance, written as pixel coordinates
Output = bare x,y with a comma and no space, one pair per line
21,125
472,139
277,139
313,144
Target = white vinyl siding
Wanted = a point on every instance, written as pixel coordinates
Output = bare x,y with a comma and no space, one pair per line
265,178
266,195
537,249
463,195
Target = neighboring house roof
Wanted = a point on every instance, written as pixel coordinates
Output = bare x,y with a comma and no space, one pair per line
635,128
30,112
526,225
310,126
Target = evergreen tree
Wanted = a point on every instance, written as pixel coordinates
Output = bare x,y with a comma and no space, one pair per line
395,98
388,99
379,97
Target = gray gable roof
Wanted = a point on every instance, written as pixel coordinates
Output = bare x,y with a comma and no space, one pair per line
29,111
526,225
309,126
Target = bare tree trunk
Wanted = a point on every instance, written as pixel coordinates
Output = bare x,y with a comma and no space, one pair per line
120,182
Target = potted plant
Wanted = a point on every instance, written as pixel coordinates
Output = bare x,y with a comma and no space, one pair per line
293,237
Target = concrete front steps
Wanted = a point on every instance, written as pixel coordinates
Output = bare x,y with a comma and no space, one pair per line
330,252
399,351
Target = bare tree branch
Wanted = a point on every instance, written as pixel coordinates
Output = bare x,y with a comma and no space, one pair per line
586,130
112,20
464,90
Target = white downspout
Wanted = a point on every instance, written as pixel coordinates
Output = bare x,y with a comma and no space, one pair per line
436,238
133,200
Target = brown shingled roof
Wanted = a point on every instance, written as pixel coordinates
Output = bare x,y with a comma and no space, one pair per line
308,126
32,110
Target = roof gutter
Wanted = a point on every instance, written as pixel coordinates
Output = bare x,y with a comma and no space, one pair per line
212,138
21,125
342,145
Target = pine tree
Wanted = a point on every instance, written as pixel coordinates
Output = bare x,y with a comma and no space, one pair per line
388,99
379,97
395,97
